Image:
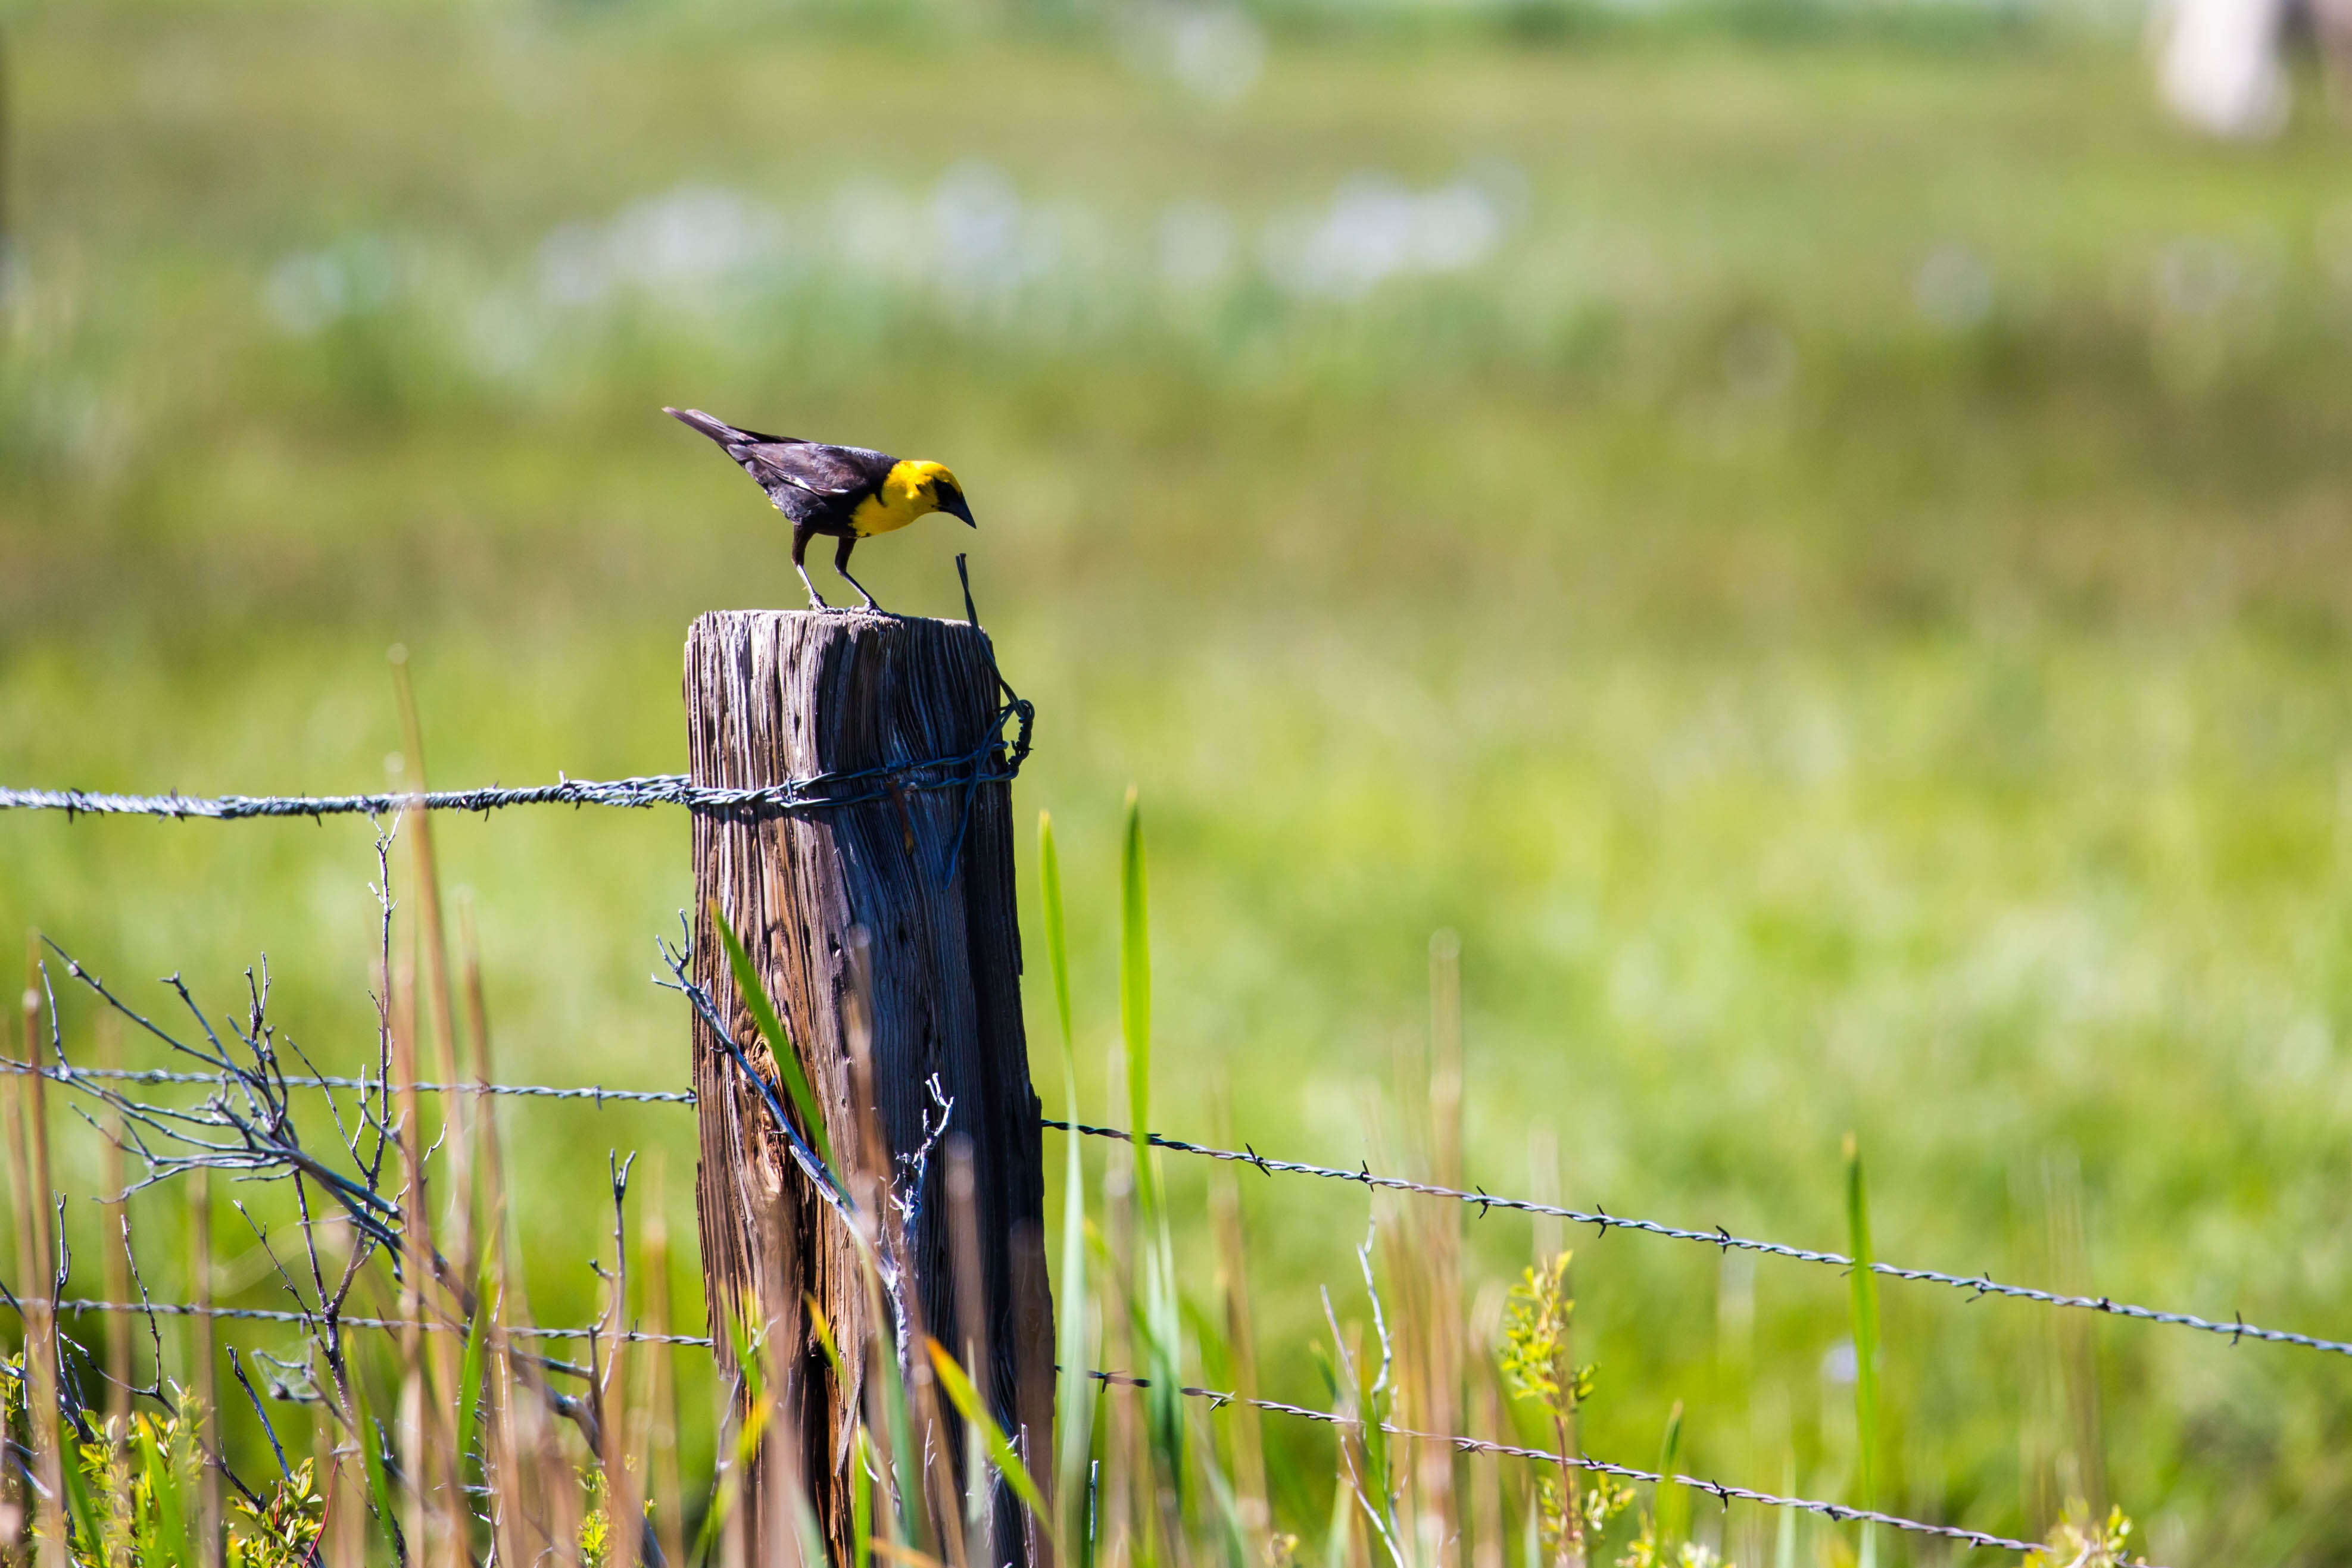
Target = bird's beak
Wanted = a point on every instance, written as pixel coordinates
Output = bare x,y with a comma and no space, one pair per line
958,506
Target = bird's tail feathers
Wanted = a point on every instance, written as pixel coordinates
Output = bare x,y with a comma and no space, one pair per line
719,429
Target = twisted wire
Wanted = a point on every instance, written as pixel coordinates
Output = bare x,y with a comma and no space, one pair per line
1978,1285
843,787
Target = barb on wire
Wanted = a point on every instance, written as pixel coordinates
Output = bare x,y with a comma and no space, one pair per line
994,759
1718,1238
1720,1492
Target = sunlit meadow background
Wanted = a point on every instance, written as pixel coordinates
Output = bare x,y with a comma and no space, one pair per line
1817,538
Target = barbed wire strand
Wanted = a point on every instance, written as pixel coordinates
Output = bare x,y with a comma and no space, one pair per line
816,792
329,1081
1602,1468
1975,1286
270,1315
1722,1492
1979,1285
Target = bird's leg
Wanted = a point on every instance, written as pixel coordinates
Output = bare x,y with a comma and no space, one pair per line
841,565
800,564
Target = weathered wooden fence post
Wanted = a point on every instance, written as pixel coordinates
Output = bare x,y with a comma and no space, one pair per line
919,867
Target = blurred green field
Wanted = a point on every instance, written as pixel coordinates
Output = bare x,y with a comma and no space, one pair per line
1826,560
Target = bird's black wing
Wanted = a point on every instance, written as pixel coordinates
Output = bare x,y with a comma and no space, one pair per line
813,467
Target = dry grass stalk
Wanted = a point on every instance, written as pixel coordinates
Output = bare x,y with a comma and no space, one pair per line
1428,1269
520,1531
436,1470
435,1520
343,1541
432,936
620,1403
1486,1550
935,1483
36,1251
2073,1341
733,1527
211,1523
1244,1422
661,1436
971,1338
1123,1494
116,1252
784,1502
415,1261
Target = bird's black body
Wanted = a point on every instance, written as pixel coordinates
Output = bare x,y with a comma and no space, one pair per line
847,493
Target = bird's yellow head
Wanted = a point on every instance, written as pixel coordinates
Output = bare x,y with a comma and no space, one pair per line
935,489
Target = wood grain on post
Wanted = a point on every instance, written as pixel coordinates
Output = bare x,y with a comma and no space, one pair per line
926,876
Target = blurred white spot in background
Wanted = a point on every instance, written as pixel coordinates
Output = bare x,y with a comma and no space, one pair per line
1840,1363
1215,52
987,241
695,235
310,290
877,230
503,335
1953,289
2219,68
1198,248
1375,228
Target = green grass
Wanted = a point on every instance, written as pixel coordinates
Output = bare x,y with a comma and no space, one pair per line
1815,713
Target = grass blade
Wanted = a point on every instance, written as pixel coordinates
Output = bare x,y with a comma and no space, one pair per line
469,1375
1057,945
1135,999
1864,1311
1001,1452
861,1499
371,1448
172,1534
1671,1504
1074,1396
771,1030
1162,1313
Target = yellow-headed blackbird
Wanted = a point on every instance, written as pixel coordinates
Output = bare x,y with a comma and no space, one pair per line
847,493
